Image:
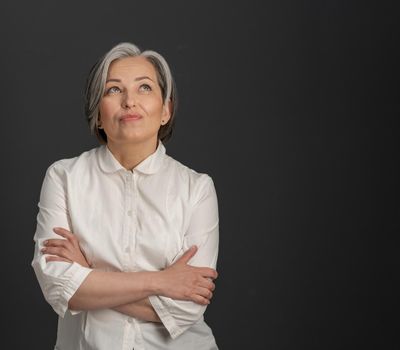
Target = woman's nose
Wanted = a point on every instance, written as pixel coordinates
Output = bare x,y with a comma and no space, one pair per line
129,100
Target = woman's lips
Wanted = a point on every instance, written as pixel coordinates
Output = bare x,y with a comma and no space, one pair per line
130,117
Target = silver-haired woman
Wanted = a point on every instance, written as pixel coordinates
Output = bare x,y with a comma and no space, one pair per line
127,237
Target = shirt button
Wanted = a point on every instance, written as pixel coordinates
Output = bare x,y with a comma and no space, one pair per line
130,320
129,212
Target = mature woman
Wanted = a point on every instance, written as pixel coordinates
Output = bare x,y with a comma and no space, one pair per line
127,237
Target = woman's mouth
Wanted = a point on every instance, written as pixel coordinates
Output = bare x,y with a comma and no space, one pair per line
130,117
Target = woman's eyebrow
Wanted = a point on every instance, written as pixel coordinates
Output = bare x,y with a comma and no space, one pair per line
117,80
141,78
136,79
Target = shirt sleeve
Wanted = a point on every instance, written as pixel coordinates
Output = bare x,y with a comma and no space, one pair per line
176,315
58,280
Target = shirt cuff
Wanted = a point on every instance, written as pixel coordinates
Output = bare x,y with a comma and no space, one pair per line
76,275
166,318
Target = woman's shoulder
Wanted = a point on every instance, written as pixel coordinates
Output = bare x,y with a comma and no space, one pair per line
184,170
71,164
194,180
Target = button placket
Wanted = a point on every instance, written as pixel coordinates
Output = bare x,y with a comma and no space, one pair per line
127,220
134,211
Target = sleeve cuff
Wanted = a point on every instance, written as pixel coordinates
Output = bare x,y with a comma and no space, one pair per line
166,318
77,275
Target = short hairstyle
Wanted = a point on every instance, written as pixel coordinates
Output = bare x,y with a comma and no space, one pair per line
95,86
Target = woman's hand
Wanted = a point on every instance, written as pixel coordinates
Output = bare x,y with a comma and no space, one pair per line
184,282
67,249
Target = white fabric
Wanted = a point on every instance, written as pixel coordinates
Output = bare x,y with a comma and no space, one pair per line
126,221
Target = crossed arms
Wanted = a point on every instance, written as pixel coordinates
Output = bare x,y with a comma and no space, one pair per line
177,296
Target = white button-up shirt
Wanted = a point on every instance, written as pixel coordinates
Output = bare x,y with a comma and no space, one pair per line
139,220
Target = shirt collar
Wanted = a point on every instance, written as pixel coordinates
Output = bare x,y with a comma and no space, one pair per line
150,165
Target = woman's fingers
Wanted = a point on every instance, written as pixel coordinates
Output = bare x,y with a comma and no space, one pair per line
198,299
204,292
56,243
206,283
59,251
69,236
202,296
67,247
208,272
57,258
184,259
59,247
184,282
63,232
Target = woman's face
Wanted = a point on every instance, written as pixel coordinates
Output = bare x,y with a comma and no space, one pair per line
131,109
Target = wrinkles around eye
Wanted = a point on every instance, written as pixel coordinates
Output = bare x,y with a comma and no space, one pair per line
113,89
145,87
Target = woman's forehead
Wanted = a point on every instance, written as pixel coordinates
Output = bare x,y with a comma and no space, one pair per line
127,67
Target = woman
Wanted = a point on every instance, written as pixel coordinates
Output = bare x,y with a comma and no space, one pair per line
118,225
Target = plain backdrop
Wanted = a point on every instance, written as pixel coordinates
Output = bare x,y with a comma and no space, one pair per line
292,107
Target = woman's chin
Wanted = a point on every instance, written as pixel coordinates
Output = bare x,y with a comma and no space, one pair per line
133,138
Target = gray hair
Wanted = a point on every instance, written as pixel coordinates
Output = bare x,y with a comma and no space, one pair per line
95,86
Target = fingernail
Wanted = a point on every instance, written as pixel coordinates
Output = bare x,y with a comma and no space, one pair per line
45,242
43,250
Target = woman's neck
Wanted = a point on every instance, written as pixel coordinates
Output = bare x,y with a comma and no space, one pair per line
129,155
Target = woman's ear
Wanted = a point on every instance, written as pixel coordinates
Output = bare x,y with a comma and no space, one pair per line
166,113
99,122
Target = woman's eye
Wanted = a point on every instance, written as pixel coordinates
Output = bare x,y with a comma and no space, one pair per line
113,90
145,87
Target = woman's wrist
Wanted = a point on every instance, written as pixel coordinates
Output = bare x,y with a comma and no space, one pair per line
154,283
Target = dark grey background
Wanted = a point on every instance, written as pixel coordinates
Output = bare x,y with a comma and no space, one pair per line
291,106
